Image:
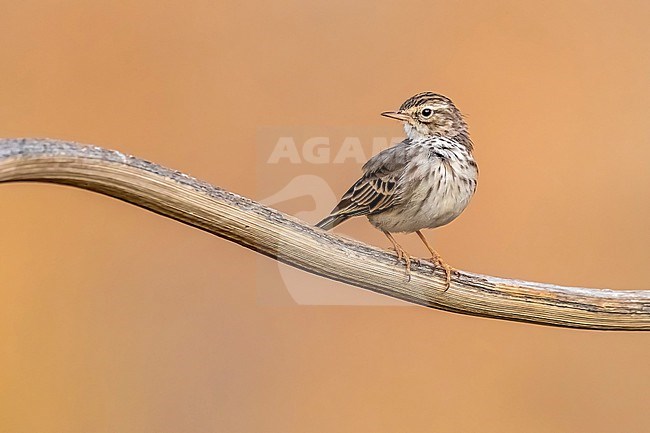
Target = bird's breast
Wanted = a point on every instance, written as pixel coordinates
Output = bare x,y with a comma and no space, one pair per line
435,190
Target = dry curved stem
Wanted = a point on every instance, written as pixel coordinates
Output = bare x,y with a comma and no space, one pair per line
284,238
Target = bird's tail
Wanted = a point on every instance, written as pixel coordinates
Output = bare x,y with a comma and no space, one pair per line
331,221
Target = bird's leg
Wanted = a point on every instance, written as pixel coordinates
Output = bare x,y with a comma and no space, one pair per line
401,254
436,259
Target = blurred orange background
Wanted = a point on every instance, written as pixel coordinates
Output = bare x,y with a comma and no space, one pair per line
113,319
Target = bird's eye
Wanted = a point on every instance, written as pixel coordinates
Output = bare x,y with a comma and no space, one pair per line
427,112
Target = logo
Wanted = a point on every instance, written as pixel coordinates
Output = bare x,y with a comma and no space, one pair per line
295,170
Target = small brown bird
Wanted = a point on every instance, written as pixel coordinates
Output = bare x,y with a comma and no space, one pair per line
425,181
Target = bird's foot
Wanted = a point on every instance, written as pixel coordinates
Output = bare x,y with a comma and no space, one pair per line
403,255
439,262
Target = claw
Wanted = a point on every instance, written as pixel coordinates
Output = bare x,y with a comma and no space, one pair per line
401,254
437,261
407,259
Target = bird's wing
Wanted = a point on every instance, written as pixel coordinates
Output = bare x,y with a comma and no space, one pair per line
379,187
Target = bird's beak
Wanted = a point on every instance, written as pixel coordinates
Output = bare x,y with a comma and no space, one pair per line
396,115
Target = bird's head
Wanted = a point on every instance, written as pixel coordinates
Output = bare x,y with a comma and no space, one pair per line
429,114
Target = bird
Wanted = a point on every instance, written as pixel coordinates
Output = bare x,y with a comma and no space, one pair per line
422,182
